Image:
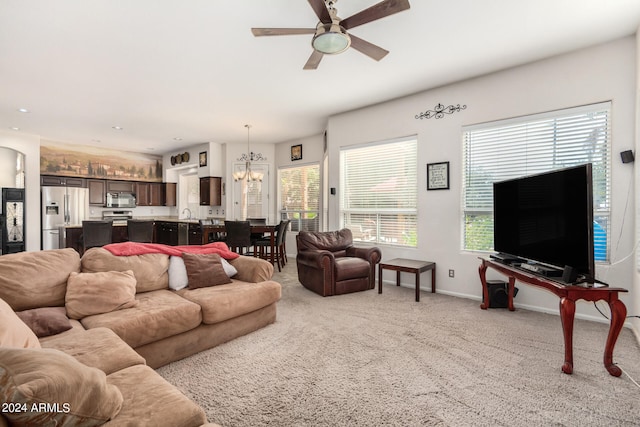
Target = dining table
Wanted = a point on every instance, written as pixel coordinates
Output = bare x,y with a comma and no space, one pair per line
268,229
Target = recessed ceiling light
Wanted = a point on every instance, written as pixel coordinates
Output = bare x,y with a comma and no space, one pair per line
177,138
117,127
15,128
23,110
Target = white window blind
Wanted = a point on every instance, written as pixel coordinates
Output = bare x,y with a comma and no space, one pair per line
378,197
300,197
529,145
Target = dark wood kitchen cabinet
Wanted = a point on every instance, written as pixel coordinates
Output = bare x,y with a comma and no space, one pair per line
121,187
211,191
167,232
156,193
170,191
62,181
97,192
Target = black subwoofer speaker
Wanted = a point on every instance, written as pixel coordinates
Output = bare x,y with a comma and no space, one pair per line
499,294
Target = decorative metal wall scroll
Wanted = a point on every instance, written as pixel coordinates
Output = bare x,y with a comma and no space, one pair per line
251,157
440,110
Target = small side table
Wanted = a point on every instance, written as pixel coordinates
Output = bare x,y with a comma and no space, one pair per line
408,266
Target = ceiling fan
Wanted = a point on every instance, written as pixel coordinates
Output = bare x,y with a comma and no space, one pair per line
330,35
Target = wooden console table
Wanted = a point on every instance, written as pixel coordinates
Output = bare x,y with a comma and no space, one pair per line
568,295
409,266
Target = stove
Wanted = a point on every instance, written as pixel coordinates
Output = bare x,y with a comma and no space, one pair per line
118,217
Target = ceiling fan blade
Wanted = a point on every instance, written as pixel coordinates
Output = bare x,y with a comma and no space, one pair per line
377,11
313,61
258,32
369,49
320,8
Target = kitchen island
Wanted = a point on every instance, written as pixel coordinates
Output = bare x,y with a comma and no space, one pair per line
166,230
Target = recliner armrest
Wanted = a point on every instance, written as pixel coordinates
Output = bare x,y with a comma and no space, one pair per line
315,259
370,254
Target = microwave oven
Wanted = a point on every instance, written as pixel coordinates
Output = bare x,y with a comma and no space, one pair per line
121,200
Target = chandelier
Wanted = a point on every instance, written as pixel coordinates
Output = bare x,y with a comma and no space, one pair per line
249,157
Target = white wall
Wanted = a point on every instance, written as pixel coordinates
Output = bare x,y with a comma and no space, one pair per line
601,73
29,145
634,308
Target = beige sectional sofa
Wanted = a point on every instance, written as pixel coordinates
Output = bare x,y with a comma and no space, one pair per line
125,321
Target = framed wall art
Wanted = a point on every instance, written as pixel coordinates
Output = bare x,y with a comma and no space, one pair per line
203,158
296,152
438,176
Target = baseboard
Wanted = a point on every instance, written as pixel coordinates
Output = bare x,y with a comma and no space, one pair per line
555,312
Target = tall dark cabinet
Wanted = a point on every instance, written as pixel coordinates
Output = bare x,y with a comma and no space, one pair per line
12,219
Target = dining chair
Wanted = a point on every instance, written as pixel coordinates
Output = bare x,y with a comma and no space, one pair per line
238,236
140,230
265,242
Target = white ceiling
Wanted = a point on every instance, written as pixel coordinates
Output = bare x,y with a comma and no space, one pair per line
165,69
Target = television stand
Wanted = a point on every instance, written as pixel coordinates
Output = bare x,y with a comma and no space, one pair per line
568,295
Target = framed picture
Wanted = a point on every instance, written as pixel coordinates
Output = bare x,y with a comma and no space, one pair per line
296,152
203,158
438,176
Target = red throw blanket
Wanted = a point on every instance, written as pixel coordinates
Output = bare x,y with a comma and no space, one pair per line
134,248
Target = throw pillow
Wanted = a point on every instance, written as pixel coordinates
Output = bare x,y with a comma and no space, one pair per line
13,331
49,387
228,268
177,273
97,293
46,321
204,270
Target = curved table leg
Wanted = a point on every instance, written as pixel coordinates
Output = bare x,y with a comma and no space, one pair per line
482,270
511,291
567,313
618,315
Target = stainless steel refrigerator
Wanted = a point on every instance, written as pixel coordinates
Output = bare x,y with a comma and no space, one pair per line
61,206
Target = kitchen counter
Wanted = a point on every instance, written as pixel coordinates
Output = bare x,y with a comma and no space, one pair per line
169,230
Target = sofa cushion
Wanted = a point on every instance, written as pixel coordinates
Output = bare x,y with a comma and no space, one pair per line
232,300
150,270
37,279
98,348
351,268
13,331
45,376
204,270
150,398
46,321
158,315
103,292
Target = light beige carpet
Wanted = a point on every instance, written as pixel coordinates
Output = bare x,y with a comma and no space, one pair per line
365,359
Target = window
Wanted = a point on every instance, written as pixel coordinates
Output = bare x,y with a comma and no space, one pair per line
378,201
300,197
534,144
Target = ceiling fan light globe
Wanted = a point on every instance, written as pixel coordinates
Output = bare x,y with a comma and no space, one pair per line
331,39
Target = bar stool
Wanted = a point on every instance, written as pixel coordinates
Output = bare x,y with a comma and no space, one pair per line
139,230
96,233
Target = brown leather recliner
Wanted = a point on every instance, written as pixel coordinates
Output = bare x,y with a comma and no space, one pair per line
329,264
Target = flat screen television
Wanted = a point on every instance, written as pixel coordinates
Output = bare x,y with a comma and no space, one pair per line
547,218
